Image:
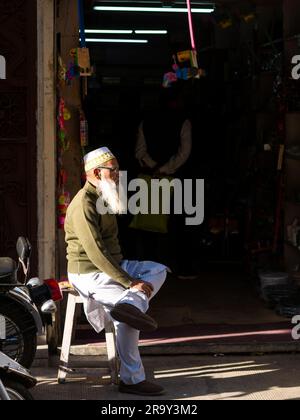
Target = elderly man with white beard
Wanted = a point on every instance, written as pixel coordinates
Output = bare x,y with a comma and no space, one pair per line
111,286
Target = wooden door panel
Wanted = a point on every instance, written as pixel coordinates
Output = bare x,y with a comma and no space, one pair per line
18,98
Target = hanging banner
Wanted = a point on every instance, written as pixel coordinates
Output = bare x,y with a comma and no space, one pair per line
84,63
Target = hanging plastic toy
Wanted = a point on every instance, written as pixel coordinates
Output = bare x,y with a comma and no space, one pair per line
64,199
63,116
73,69
61,72
185,65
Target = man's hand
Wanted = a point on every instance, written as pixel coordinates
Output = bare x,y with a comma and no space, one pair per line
143,286
158,173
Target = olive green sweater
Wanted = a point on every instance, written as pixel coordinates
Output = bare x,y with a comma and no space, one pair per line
92,239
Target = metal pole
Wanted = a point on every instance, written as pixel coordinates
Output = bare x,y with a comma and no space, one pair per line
191,25
81,23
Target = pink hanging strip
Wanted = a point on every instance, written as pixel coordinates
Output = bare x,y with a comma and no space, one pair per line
191,25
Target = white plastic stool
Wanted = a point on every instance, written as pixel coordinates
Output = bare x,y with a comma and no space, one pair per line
70,327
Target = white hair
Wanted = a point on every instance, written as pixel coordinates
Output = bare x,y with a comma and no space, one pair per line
110,193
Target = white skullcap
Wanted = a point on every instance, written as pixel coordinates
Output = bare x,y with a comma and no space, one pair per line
97,158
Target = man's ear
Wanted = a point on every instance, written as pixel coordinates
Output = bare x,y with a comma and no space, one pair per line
97,174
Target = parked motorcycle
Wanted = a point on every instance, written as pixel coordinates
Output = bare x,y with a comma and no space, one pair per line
25,308
15,381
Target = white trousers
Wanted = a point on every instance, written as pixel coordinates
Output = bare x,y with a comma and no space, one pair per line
101,293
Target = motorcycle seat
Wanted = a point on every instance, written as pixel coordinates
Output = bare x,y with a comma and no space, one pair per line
8,268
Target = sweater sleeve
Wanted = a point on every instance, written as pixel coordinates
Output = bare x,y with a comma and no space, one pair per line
141,150
183,153
88,232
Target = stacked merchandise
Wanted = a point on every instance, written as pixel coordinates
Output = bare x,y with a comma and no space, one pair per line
281,292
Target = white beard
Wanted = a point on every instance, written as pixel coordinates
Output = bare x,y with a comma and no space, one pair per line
110,193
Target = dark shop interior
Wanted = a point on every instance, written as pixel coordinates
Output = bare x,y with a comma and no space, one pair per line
235,277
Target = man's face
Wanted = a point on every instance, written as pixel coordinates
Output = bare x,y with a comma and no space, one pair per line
110,188
112,171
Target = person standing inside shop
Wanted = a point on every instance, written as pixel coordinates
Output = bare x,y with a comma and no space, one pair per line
163,149
164,142
109,285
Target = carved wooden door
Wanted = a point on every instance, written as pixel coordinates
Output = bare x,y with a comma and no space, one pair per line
18,98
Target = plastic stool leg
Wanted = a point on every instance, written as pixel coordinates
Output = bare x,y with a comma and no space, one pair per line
67,339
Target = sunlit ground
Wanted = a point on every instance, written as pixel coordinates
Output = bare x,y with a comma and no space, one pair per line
274,377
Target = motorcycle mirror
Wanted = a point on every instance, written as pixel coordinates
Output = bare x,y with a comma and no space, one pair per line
24,252
35,282
23,249
49,307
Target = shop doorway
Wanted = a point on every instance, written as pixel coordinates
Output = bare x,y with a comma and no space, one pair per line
216,292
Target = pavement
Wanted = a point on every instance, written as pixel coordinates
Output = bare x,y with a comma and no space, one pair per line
189,362
187,377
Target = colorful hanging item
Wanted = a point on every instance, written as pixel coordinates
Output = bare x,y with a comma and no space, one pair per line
64,199
183,69
72,72
185,65
63,204
63,145
248,17
80,65
63,116
188,57
67,115
61,72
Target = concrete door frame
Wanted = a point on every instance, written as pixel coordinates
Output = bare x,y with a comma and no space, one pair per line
46,139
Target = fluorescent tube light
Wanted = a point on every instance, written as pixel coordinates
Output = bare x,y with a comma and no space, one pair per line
151,32
195,2
108,31
116,41
151,9
126,31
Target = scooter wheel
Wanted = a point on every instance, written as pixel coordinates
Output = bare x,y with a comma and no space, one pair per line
22,329
17,391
